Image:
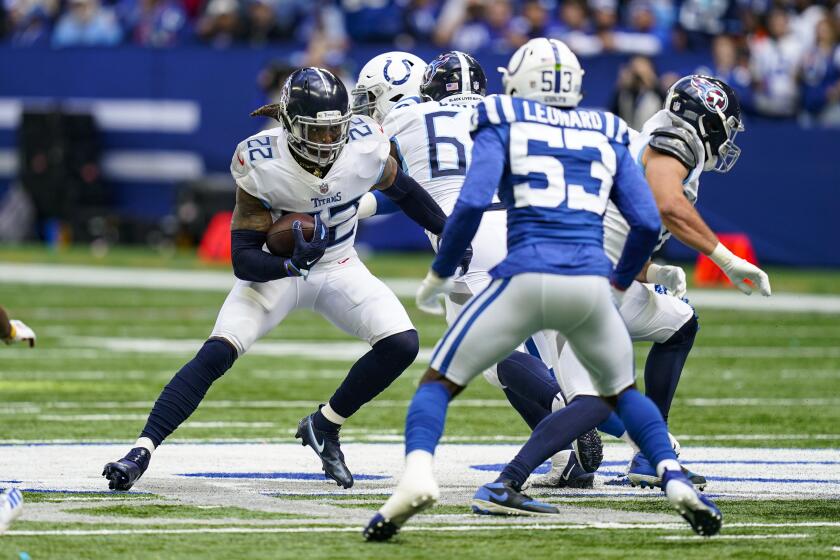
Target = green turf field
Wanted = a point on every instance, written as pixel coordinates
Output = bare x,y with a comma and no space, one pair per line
755,381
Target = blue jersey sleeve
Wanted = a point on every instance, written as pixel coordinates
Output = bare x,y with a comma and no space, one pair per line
488,163
634,199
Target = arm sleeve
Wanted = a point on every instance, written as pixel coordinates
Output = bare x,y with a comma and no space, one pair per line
417,204
250,262
488,163
634,199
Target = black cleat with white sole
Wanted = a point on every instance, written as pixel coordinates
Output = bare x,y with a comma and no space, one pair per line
328,449
589,450
124,473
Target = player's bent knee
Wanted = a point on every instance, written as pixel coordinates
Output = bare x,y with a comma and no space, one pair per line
434,376
400,349
686,333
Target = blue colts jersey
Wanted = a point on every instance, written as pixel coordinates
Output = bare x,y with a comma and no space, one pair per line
555,170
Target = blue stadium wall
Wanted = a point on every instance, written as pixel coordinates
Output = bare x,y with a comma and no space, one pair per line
174,115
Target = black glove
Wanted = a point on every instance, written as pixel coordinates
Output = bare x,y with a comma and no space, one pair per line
307,253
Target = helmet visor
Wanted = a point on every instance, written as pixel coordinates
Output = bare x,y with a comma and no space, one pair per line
362,101
320,139
728,152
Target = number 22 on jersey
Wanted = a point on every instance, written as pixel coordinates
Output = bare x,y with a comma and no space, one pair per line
583,182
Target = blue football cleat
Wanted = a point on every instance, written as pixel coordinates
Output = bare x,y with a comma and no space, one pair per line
328,449
124,473
641,473
700,512
500,498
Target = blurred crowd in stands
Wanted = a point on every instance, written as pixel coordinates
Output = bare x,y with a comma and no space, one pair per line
782,56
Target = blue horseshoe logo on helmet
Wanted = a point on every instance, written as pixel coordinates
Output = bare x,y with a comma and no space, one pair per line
401,81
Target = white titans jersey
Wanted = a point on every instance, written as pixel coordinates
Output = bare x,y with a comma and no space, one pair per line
615,226
264,167
434,144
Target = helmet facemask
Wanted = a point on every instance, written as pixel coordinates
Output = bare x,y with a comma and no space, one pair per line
319,139
363,100
721,155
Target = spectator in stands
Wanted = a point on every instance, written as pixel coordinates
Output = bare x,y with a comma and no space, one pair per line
374,21
323,30
731,64
575,29
421,19
29,22
533,22
637,96
487,26
154,23
261,25
221,24
820,77
702,20
86,23
774,62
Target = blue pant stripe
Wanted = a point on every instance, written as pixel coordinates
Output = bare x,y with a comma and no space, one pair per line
458,320
451,354
531,347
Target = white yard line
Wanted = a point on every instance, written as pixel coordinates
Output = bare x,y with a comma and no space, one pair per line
736,537
192,280
423,528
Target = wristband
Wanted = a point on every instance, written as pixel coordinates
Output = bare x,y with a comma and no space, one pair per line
721,256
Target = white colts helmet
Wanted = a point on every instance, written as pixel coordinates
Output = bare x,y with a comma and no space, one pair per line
544,70
385,81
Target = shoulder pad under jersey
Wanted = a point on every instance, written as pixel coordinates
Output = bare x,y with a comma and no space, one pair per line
675,142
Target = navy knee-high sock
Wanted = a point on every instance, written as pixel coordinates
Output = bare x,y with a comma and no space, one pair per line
665,363
555,433
184,392
371,375
531,387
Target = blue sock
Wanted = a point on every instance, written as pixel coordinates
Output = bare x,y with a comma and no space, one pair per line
665,363
528,377
426,417
555,433
612,425
645,425
371,375
184,392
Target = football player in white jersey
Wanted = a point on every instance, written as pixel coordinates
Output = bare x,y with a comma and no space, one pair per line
430,137
320,161
693,133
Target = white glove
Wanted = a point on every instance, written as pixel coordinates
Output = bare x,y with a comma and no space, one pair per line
672,277
20,332
429,294
738,270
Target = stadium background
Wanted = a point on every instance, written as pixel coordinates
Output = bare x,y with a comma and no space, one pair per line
159,93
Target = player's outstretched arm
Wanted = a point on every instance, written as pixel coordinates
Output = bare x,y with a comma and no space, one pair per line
12,330
412,199
251,220
665,175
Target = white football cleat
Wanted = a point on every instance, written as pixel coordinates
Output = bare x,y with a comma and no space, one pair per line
11,505
416,492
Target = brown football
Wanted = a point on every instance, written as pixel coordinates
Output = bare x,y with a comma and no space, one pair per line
280,238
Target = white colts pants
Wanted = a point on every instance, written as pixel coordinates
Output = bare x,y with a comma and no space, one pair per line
344,292
510,310
648,315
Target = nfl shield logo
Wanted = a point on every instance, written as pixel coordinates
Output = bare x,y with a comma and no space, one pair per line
324,188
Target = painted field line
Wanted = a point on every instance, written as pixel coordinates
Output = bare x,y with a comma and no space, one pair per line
146,278
409,528
735,537
397,403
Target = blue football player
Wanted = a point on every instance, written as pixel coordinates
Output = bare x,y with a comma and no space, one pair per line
555,169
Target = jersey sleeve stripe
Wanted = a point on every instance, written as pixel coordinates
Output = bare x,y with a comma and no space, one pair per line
622,135
507,109
492,110
610,124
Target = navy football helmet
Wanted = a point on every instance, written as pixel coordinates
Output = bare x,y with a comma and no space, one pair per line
711,108
453,73
314,109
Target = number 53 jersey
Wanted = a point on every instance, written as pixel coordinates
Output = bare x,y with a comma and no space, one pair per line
263,166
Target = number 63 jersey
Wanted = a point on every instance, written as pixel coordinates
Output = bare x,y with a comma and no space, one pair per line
263,166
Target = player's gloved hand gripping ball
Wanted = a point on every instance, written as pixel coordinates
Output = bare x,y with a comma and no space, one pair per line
307,253
672,277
